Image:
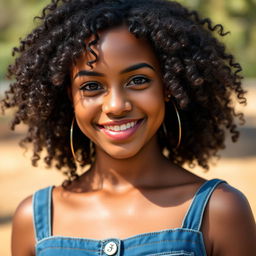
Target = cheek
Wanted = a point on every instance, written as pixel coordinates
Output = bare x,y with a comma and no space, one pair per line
83,105
154,100
86,112
157,105
153,105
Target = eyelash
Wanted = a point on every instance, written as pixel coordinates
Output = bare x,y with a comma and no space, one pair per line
86,89
146,80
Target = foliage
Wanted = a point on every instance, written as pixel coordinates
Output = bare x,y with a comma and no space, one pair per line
238,16
16,20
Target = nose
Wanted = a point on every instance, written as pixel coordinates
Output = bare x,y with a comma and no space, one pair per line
116,103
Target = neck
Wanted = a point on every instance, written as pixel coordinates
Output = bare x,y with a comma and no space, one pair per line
141,170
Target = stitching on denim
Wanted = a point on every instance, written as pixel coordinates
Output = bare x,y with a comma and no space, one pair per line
67,248
190,230
155,233
197,224
173,253
45,218
38,216
206,201
152,233
192,203
110,239
34,217
156,242
50,211
189,209
67,238
162,231
101,246
203,249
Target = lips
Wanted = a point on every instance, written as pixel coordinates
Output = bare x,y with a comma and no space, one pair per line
121,129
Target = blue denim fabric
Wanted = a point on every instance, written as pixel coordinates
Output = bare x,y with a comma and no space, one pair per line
184,241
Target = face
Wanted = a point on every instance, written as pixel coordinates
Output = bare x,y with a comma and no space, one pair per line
119,101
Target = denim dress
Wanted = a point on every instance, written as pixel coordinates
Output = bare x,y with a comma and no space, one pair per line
184,241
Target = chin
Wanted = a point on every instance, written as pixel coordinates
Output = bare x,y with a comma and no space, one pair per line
122,154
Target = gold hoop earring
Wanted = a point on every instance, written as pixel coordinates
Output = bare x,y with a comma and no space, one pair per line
179,122
71,141
164,129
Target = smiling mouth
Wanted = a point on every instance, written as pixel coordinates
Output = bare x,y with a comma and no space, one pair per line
122,130
121,127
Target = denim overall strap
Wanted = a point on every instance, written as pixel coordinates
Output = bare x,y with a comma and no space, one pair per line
42,201
194,216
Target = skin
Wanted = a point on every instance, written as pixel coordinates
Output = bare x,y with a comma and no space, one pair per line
123,186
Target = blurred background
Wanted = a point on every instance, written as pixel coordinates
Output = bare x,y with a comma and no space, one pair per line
237,164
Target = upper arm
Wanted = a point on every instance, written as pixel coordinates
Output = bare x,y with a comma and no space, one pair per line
230,225
23,240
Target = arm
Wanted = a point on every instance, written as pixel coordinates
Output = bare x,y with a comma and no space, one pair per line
23,241
229,225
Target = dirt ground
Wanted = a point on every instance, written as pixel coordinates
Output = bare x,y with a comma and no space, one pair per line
18,179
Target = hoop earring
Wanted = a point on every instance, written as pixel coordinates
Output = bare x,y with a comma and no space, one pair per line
71,141
179,122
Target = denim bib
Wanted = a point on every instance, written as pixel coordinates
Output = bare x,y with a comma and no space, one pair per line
184,241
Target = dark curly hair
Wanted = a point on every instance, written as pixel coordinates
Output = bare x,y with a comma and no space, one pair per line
197,71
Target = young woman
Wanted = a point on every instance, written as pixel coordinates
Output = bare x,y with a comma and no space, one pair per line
129,91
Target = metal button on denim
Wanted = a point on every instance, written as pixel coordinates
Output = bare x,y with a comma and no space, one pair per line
110,248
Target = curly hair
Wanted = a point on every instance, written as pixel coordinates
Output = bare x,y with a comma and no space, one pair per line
196,69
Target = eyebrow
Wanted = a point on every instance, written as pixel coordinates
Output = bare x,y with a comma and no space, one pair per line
126,70
136,66
87,73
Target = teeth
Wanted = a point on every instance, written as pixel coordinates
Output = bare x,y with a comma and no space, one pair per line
122,127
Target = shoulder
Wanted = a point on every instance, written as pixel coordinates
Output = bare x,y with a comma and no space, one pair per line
229,223
23,238
23,216
229,204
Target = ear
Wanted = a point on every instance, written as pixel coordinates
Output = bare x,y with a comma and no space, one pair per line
167,97
167,93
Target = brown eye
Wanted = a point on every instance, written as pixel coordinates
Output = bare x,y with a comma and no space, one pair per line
91,86
139,80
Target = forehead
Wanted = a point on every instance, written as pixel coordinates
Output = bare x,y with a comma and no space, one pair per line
118,47
121,41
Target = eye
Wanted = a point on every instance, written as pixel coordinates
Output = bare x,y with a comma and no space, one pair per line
138,81
90,88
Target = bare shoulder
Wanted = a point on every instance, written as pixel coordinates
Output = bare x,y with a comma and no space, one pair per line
229,223
23,240
229,204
